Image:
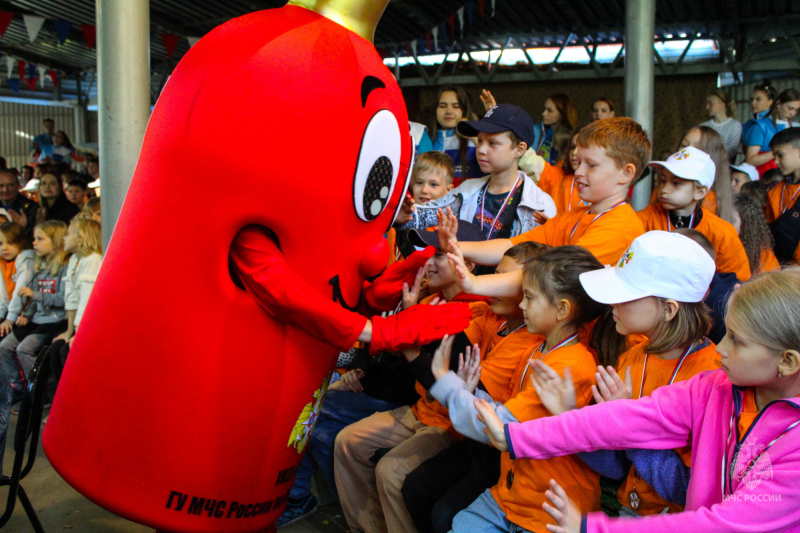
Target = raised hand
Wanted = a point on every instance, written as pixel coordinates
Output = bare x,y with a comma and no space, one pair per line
464,278
562,509
440,364
411,295
469,367
610,386
488,100
555,392
447,230
494,426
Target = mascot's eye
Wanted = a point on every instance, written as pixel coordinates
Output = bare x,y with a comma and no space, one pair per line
378,165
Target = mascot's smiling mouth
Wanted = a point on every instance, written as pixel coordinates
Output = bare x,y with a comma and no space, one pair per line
337,296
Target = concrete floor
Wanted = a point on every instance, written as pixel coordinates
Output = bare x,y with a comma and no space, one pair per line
60,507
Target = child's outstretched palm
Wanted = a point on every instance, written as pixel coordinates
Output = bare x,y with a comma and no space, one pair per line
447,230
555,392
469,368
610,386
494,426
562,510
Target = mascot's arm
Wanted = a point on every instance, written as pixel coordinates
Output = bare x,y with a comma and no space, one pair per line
385,293
288,298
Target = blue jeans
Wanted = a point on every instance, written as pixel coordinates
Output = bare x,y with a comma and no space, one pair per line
339,410
485,515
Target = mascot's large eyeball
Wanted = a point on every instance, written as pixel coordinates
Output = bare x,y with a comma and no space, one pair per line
378,166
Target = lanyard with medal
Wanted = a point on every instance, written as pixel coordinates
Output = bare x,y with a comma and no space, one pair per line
633,497
669,223
510,475
484,192
595,218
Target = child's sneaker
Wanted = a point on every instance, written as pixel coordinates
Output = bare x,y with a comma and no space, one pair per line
297,510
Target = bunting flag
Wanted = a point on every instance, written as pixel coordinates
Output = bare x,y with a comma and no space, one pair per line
492,8
14,84
413,45
481,7
31,83
42,74
170,42
10,65
428,41
34,25
31,70
470,13
444,36
451,21
192,41
90,34
435,33
5,20
21,68
53,76
62,28
461,21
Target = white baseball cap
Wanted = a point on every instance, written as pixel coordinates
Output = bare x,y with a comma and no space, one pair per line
31,186
690,164
748,169
658,263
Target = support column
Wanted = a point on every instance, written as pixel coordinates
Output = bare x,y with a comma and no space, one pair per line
640,22
79,112
123,66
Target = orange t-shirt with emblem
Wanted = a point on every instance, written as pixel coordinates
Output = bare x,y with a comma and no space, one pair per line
657,374
731,256
607,237
428,410
522,502
780,198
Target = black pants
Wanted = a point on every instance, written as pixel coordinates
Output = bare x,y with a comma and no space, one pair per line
58,357
448,483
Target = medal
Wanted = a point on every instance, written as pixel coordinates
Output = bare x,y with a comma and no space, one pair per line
509,479
633,499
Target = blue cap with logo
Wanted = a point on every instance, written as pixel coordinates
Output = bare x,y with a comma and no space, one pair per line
500,118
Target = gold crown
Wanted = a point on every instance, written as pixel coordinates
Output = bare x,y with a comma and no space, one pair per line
359,16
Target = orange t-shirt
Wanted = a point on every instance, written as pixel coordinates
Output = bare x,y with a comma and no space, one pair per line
607,237
428,410
749,411
780,198
731,256
522,502
500,355
9,268
769,263
551,175
657,374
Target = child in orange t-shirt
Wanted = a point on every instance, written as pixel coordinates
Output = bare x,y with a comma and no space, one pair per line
684,180
754,233
370,493
656,290
450,481
555,306
559,182
611,156
782,199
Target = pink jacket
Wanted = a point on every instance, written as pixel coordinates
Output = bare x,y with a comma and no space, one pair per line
696,412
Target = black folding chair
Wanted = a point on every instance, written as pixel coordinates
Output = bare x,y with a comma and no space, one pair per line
29,423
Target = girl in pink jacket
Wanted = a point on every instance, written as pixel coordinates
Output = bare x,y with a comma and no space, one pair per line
741,422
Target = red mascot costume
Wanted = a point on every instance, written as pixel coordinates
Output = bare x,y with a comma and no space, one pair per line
204,351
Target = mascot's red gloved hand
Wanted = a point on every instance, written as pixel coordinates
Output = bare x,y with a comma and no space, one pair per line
385,293
418,325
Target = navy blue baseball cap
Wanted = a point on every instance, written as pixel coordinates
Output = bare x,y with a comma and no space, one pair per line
500,118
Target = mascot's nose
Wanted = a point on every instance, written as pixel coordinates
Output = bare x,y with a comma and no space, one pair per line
374,259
